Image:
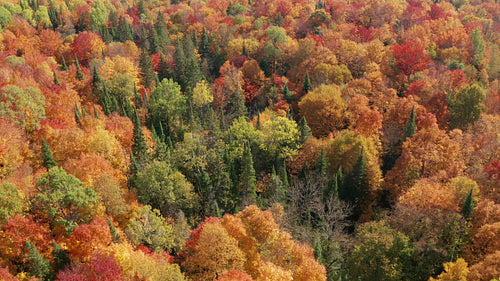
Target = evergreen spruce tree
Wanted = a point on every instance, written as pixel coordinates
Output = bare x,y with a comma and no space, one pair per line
468,206
114,234
179,63
147,72
258,126
247,178
410,127
356,188
84,113
244,51
322,164
124,31
139,146
305,130
307,84
318,250
61,258
95,77
194,38
64,67
284,174
204,48
106,102
56,80
137,98
79,74
48,157
217,211
165,71
37,264
78,117
96,114
287,94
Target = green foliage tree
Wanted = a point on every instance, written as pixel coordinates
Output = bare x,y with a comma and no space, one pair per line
478,46
25,107
356,188
382,253
79,73
11,201
165,189
61,258
37,264
48,157
305,130
468,206
410,127
466,106
151,229
62,199
147,72
247,178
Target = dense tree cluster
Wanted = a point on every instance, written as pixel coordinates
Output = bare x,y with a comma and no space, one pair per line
250,140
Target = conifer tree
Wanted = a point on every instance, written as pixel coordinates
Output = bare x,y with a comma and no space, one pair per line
79,74
56,80
38,265
64,67
287,94
48,157
247,178
84,113
318,250
283,174
95,77
307,84
106,101
305,130
204,48
124,31
147,72
165,71
410,127
195,39
244,51
468,206
96,114
78,117
139,146
217,211
180,63
322,163
61,258
355,188
114,234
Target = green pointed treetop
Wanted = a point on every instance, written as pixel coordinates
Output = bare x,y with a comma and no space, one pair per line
468,206
307,84
410,127
79,73
48,157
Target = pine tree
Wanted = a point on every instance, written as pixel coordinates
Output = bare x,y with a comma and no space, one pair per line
318,250
180,63
139,146
287,94
305,130
61,258
48,157
165,71
95,76
283,174
410,127
247,178
356,188
79,74
124,31
322,164
64,67
56,80
147,72
468,206
114,234
244,51
204,44
307,84
195,39
106,102
96,114
38,265
217,211
78,117
84,113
